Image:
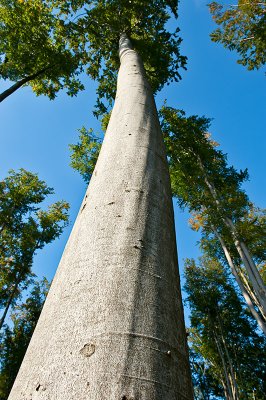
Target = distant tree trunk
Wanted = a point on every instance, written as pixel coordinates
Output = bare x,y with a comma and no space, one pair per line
22,82
232,374
227,385
241,285
9,302
112,327
252,271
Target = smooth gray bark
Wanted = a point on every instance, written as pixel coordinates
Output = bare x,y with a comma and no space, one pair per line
112,327
241,285
252,271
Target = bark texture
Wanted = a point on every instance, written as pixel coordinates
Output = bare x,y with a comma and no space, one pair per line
112,327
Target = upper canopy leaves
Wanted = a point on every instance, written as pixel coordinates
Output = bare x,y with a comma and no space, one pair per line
33,40
242,28
96,27
61,38
194,160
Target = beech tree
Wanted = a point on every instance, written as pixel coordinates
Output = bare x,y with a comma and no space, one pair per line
24,228
203,181
15,339
242,29
218,244
223,334
112,326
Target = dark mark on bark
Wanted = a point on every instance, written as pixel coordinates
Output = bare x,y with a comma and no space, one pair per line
119,215
127,190
39,386
112,202
137,247
83,207
88,349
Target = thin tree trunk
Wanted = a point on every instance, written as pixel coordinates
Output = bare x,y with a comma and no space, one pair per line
9,302
227,388
241,286
22,82
232,372
250,291
112,326
249,264
245,255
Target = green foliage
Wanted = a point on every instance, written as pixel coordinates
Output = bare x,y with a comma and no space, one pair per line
242,29
205,384
14,341
84,154
62,39
251,230
34,39
97,31
203,182
194,160
221,329
24,229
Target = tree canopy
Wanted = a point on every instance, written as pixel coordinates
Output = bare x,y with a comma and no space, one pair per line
25,227
34,48
61,39
222,334
242,29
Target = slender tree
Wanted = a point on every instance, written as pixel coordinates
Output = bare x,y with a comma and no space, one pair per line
223,333
203,181
112,326
24,228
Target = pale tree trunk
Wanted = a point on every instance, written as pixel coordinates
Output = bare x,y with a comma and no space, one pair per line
241,285
232,374
112,327
12,89
252,271
226,382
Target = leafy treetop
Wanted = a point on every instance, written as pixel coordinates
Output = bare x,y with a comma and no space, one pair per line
95,28
33,45
242,28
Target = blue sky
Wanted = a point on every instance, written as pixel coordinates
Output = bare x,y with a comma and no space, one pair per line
35,132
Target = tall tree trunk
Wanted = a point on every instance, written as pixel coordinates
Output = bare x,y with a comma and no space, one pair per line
22,82
112,327
252,271
9,301
232,374
241,286
227,383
